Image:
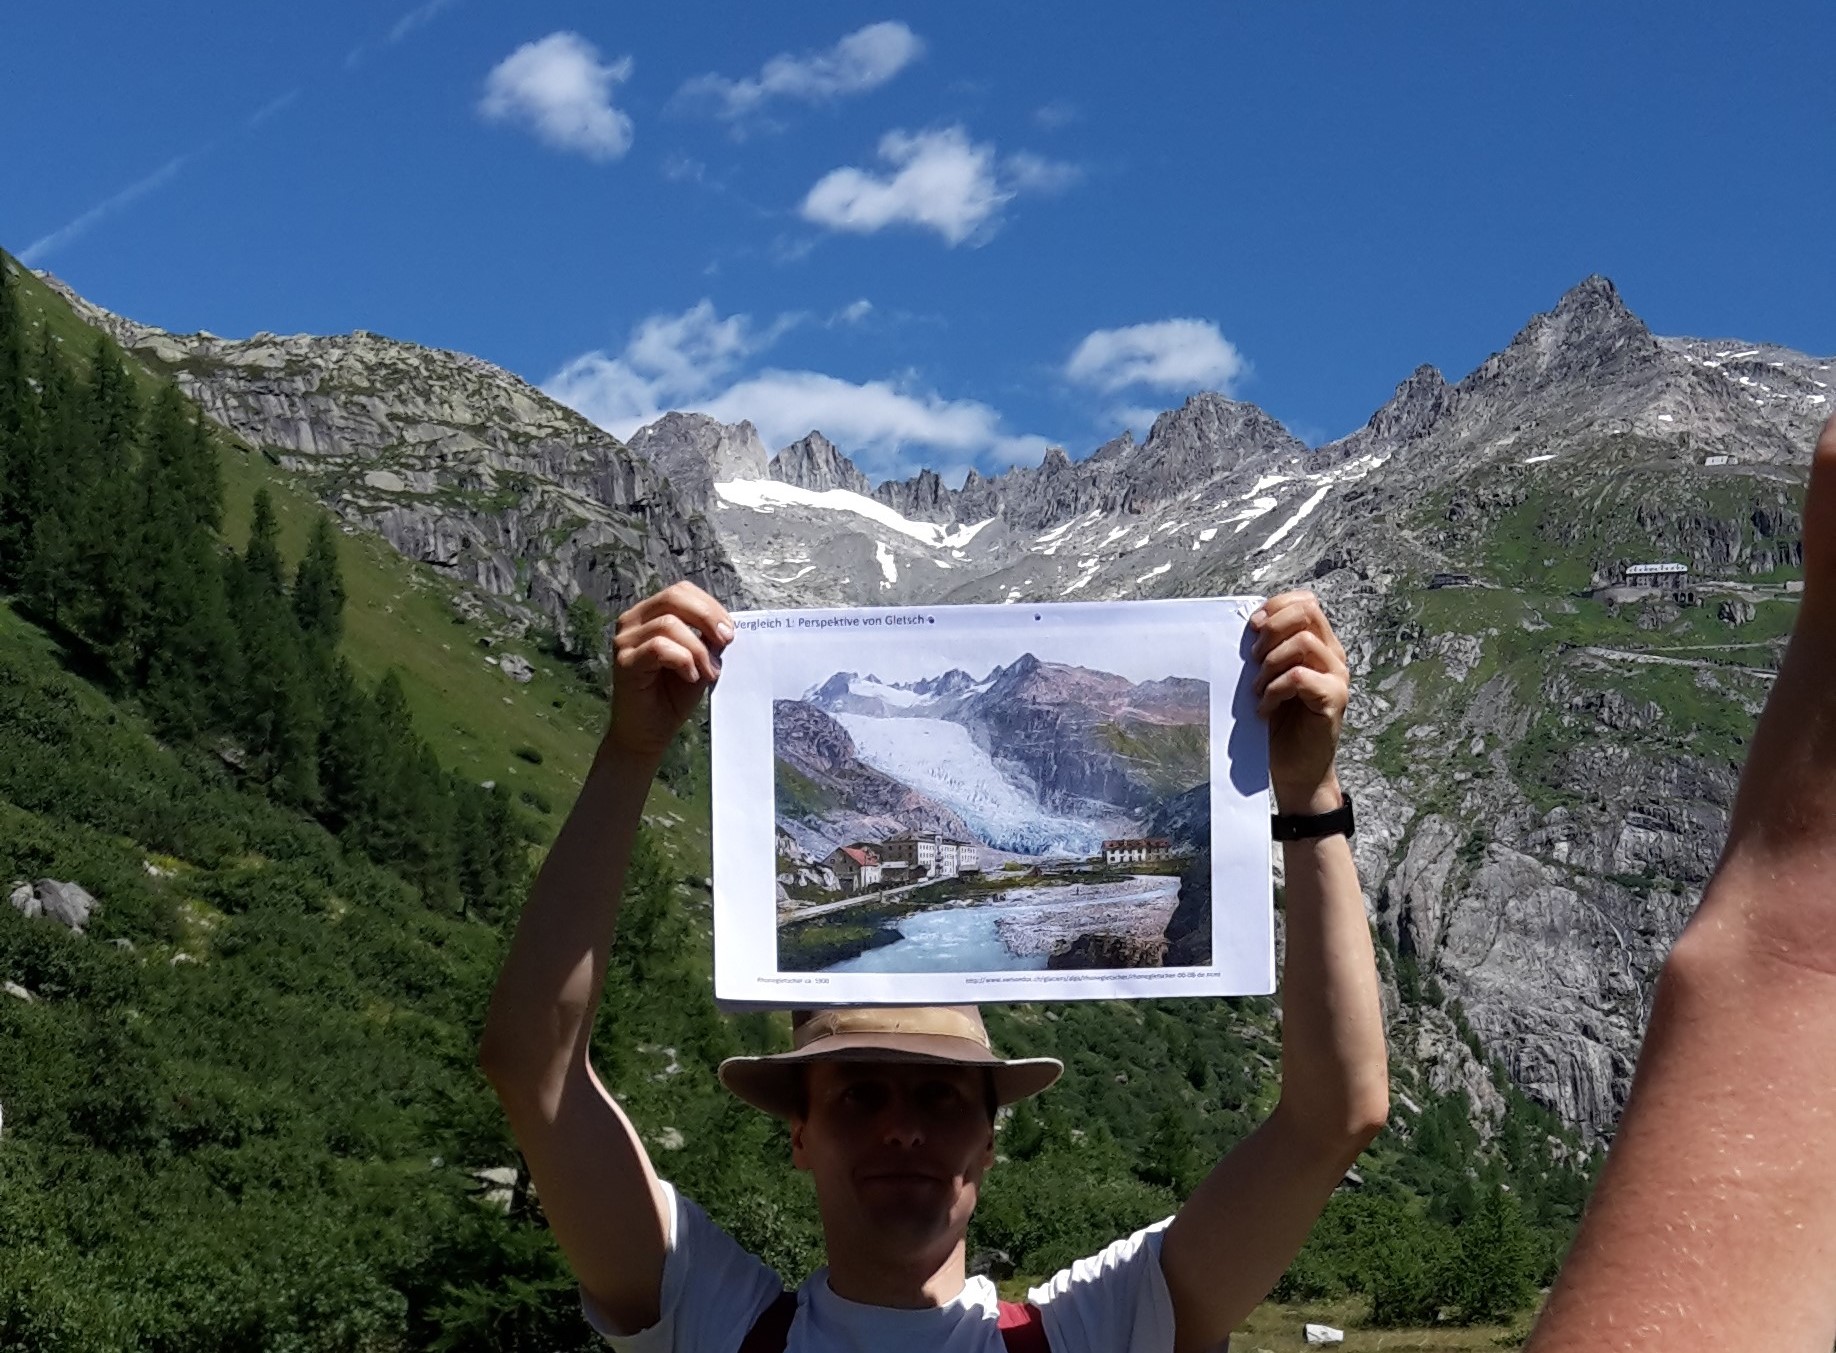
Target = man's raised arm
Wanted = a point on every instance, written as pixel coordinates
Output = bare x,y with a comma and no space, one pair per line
1244,1224
597,1187
1714,1223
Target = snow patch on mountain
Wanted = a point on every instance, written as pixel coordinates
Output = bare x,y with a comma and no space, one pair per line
1296,519
891,695
765,494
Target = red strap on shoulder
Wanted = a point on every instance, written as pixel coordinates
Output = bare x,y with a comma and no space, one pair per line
771,1331
1023,1328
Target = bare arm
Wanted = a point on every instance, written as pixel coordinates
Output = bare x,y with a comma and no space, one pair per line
598,1190
1243,1225
1714,1223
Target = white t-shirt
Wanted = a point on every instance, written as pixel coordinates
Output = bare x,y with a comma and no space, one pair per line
713,1291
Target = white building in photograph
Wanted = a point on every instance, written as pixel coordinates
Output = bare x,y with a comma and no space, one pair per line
931,854
1137,850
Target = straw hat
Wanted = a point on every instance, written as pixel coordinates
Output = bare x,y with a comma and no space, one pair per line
948,1035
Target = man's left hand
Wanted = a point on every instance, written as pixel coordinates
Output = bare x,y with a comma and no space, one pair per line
1302,691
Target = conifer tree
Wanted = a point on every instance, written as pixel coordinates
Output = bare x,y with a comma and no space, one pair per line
351,758
12,354
110,520
41,495
1496,1265
275,707
17,436
318,591
189,659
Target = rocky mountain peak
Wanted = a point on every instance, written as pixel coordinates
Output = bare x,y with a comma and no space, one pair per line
1589,335
695,452
1593,293
1418,406
923,497
813,462
1116,448
1206,436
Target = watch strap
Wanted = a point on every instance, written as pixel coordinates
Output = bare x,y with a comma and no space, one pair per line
1307,826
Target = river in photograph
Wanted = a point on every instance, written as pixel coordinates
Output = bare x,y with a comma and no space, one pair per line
1038,920
953,939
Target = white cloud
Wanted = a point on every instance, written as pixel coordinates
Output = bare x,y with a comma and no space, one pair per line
864,60
1170,354
46,245
668,362
558,88
852,313
1030,173
943,183
693,362
1058,113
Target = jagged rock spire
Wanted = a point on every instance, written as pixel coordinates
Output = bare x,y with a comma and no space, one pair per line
814,463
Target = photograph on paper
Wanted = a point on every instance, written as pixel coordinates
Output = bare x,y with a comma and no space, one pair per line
966,799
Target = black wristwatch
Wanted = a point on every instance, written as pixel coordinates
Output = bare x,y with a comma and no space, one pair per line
1306,826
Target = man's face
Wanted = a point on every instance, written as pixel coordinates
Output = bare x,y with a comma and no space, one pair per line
897,1149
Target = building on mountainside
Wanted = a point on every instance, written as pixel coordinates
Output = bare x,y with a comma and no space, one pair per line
930,854
1137,850
1721,460
1658,577
1451,580
855,867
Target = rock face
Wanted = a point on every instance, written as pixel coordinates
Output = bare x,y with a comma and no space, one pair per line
695,452
1105,950
814,463
458,463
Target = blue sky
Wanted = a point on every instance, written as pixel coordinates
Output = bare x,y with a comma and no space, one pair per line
946,234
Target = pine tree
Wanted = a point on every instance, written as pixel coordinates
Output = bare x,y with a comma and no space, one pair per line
351,771
44,494
261,562
489,841
318,591
1495,1269
12,353
18,417
112,521
276,706
189,658
409,824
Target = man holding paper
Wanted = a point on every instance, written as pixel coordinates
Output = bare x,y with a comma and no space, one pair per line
892,1111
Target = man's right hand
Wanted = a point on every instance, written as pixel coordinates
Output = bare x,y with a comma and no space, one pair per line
665,653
